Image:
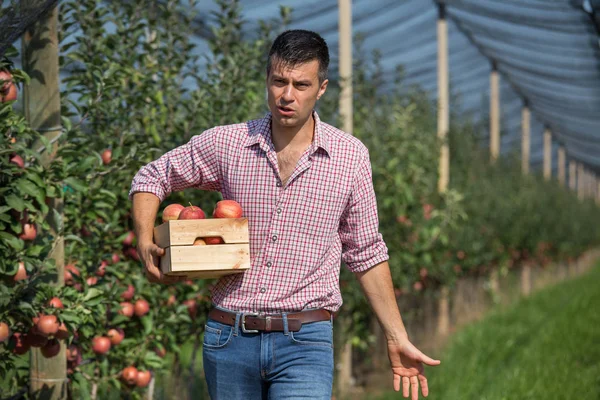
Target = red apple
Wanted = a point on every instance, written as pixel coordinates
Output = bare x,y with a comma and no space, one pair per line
228,209
126,309
418,286
51,348
115,258
106,156
100,345
101,269
29,232
160,351
141,307
4,332
17,160
62,332
129,293
34,339
213,240
192,307
116,335
21,272
70,271
129,375
21,345
73,352
92,280
47,325
192,212
128,241
55,303
199,242
8,89
172,300
7,81
143,378
171,212
132,253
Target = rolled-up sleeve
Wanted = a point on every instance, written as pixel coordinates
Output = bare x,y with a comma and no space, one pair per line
362,244
193,164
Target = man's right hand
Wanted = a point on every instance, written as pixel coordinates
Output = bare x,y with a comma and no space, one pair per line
149,254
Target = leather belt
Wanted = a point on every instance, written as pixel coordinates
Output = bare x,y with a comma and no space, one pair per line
253,323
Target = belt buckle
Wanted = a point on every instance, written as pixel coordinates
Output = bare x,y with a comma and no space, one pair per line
244,315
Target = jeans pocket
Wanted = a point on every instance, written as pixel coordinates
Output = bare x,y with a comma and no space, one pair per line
216,335
314,334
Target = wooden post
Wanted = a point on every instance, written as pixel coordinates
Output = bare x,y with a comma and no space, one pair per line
443,322
572,174
526,280
345,67
547,154
561,165
494,113
580,181
345,380
525,138
443,325
48,376
443,99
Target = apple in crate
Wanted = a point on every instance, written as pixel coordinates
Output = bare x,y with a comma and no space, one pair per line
228,209
171,212
192,212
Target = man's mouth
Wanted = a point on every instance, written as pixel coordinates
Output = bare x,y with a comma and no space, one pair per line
286,111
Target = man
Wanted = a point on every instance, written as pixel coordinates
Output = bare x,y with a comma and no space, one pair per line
307,191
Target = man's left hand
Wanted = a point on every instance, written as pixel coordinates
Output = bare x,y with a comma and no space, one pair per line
407,366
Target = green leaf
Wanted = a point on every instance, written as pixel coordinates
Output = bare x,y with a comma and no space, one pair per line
15,202
84,389
76,184
92,293
74,238
147,323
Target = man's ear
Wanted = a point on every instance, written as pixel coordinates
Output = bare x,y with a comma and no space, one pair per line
322,89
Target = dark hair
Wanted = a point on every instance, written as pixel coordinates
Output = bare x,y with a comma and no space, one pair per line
299,46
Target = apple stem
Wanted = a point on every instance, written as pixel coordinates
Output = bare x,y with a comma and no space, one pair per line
190,203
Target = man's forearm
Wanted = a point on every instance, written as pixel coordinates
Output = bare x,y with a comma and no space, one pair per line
145,208
377,285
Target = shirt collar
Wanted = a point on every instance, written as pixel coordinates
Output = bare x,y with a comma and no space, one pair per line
261,134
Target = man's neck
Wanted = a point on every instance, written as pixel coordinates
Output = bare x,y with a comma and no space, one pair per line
288,137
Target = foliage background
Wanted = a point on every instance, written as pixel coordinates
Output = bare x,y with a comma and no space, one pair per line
134,84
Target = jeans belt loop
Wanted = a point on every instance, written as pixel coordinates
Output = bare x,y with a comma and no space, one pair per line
286,330
268,323
236,327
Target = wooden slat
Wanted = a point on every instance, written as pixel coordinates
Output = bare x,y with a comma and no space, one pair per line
208,274
184,232
206,258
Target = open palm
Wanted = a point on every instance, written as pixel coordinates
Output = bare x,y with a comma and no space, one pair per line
407,366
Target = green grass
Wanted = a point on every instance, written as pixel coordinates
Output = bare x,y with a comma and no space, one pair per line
543,347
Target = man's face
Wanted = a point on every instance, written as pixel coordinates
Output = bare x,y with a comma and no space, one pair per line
293,92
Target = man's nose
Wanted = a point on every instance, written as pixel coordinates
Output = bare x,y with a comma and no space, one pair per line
288,93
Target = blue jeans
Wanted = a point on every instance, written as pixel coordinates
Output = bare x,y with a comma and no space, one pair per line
268,365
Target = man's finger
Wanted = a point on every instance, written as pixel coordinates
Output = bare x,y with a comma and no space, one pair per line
396,382
158,251
424,386
428,360
414,385
405,386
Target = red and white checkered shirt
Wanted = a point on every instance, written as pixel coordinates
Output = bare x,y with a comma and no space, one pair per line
298,232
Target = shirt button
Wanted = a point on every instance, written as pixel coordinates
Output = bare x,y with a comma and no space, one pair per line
278,184
262,290
274,238
269,264
279,211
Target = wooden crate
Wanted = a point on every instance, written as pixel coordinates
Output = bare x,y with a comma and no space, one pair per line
204,262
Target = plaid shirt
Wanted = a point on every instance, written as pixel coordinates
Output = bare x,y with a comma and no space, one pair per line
298,231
